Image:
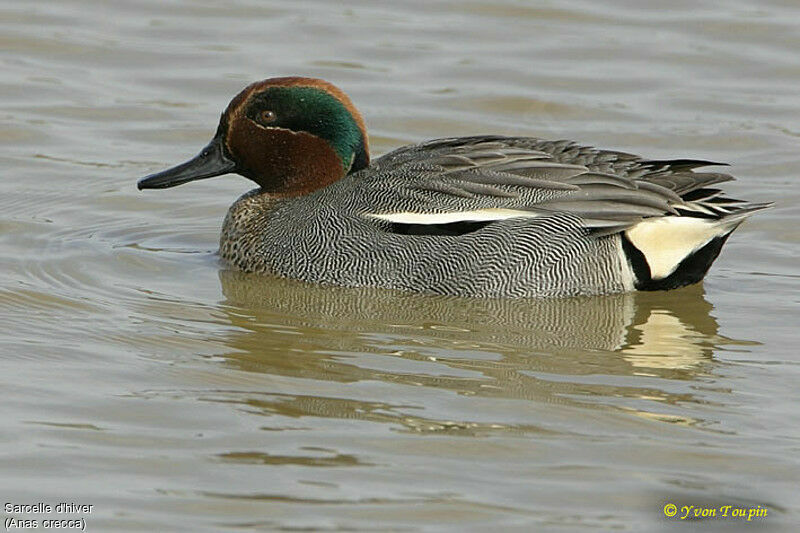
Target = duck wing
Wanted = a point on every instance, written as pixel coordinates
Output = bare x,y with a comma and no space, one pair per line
486,179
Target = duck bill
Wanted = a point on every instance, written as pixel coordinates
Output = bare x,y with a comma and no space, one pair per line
210,162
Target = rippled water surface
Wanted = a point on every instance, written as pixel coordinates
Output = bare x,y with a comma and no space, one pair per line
142,377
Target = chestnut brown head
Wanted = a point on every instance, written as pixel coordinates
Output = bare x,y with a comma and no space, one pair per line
289,135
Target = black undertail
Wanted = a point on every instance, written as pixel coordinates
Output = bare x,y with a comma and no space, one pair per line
691,270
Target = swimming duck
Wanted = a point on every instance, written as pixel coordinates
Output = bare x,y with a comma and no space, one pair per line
487,216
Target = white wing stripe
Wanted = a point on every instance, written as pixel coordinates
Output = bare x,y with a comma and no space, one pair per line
478,215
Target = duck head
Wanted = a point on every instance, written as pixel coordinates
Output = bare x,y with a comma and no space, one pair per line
289,135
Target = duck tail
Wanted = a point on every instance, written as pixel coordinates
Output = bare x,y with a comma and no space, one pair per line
674,251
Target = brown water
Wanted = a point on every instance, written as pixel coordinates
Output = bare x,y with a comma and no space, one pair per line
141,377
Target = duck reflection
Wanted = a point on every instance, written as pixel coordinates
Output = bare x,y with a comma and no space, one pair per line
555,350
659,330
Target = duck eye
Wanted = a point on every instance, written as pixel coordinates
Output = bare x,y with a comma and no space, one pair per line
267,117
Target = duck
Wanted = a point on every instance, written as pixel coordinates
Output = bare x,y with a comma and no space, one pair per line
478,216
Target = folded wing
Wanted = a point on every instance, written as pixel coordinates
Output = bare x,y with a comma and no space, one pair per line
481,180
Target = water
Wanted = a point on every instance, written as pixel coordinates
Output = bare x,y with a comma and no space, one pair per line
141,377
